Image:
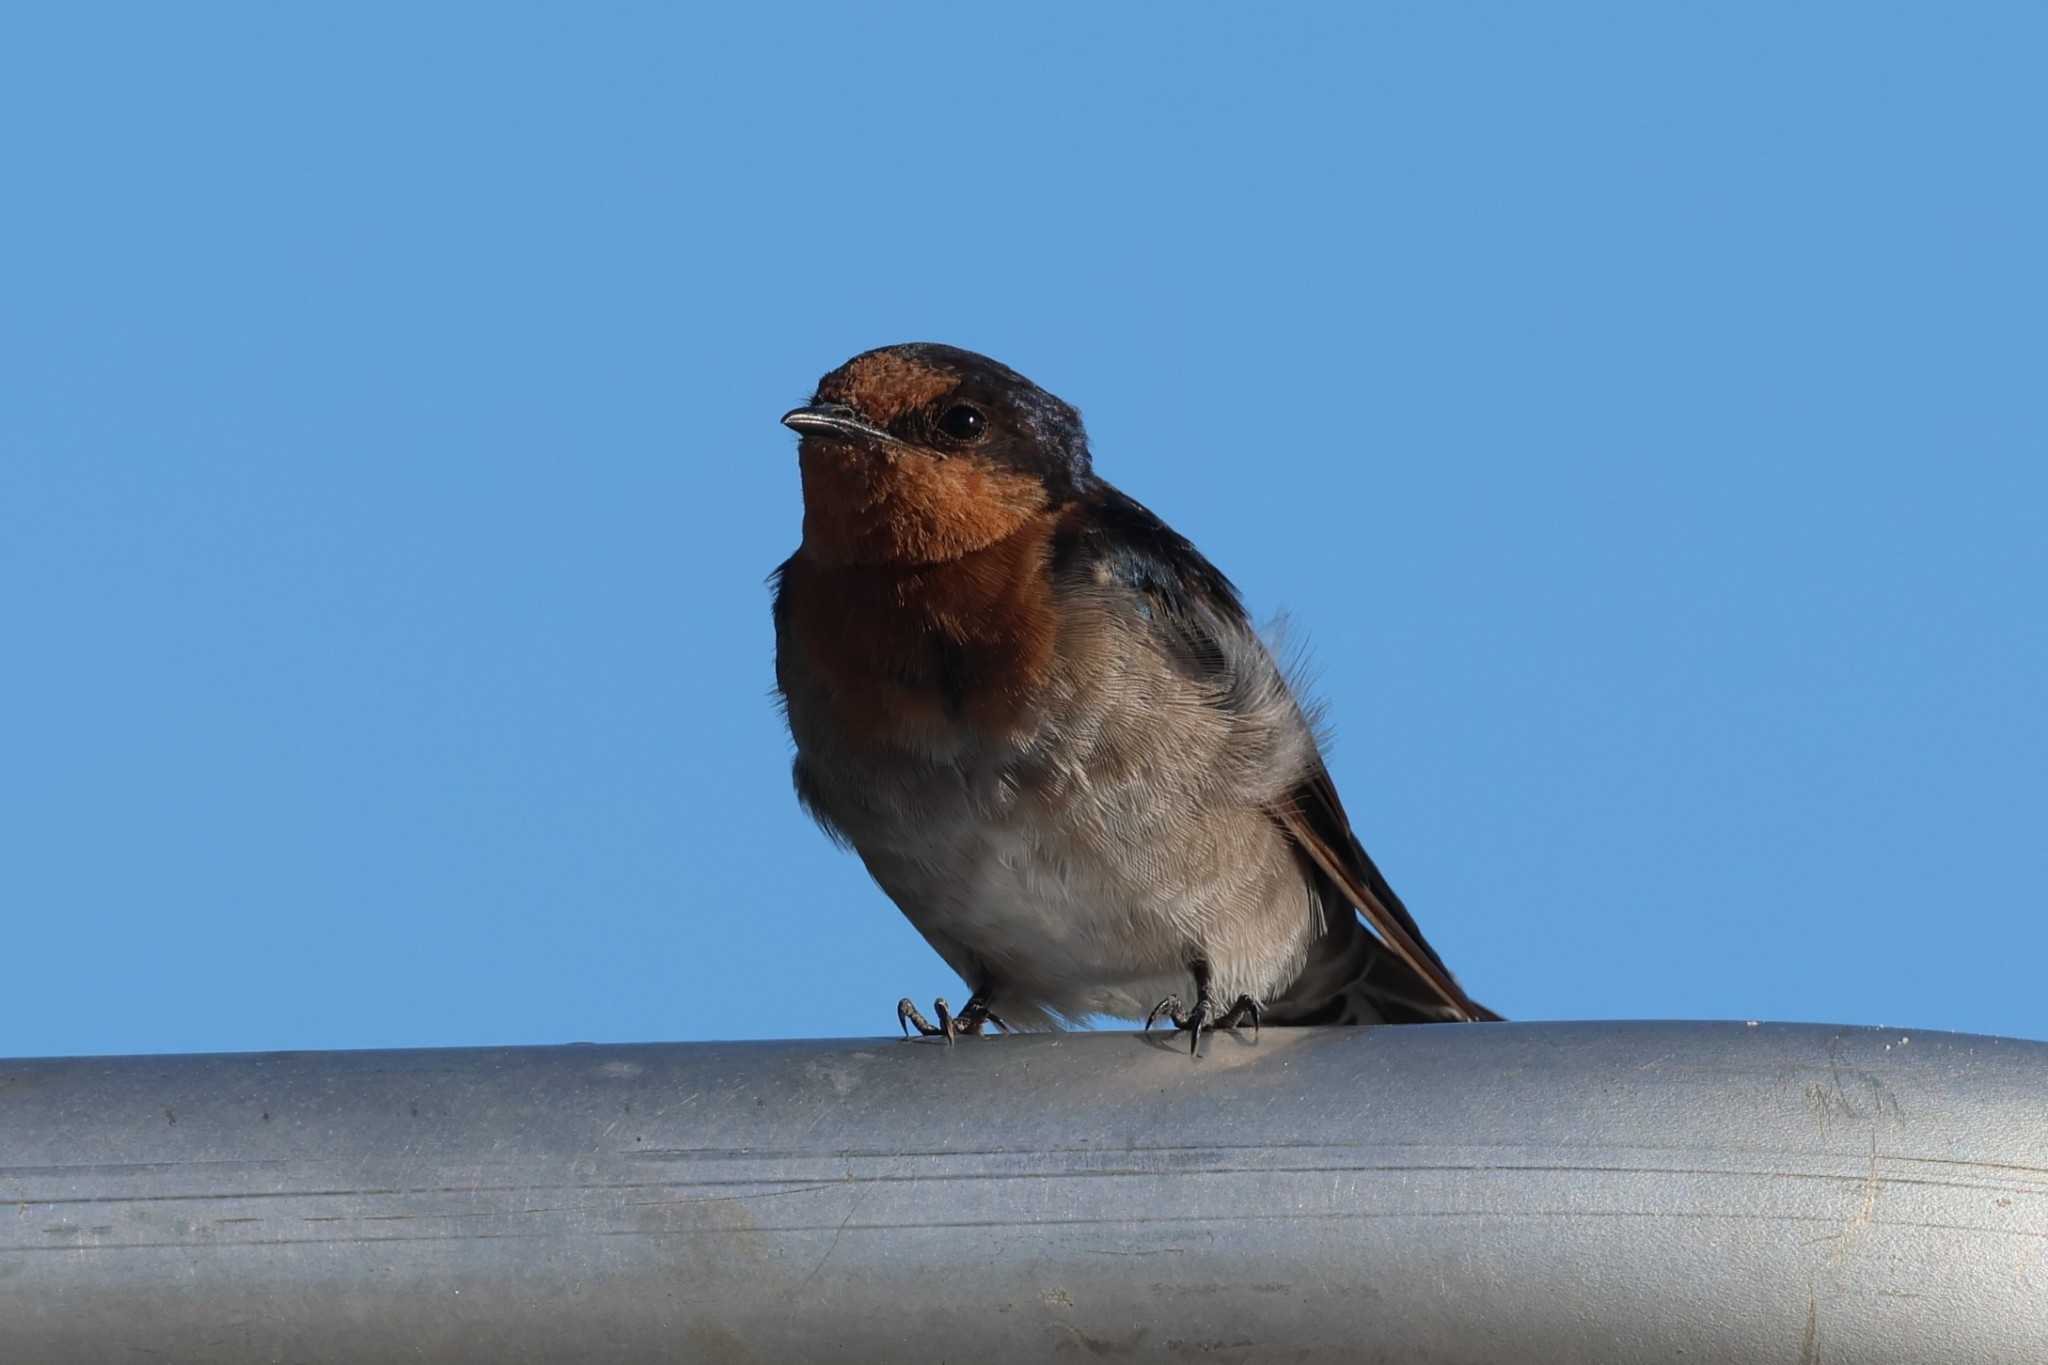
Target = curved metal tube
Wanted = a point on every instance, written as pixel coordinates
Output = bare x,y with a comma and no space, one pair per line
1467,1193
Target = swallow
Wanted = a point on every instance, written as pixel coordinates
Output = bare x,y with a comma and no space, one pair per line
1046,724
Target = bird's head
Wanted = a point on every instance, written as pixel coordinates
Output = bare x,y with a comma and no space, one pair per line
922,453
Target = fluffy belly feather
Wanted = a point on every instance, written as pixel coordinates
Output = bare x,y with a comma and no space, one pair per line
1064,924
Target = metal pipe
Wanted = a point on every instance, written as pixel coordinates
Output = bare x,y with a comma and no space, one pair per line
1464,1193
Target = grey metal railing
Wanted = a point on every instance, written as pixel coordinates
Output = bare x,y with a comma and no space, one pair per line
1466,1193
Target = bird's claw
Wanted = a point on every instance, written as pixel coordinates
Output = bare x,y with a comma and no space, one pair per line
950,1026
1168,1008
907,1013
1190,1023
1203,1016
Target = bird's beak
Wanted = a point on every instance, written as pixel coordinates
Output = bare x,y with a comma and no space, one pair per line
835,419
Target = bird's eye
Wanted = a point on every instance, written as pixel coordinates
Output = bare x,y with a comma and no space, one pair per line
962,422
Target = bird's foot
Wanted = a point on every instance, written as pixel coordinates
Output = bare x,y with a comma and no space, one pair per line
950,1026
1205,1016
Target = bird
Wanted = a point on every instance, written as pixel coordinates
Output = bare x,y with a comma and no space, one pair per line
1048,727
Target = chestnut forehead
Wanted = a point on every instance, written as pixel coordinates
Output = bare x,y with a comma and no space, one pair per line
882,387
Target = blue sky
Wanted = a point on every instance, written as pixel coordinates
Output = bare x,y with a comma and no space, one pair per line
1637,408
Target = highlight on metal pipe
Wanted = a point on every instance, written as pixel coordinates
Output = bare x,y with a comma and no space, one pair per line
1462,1193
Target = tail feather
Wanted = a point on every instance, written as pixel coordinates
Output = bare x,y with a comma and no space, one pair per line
1406,978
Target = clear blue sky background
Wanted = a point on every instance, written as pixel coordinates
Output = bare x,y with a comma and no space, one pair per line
1639,409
